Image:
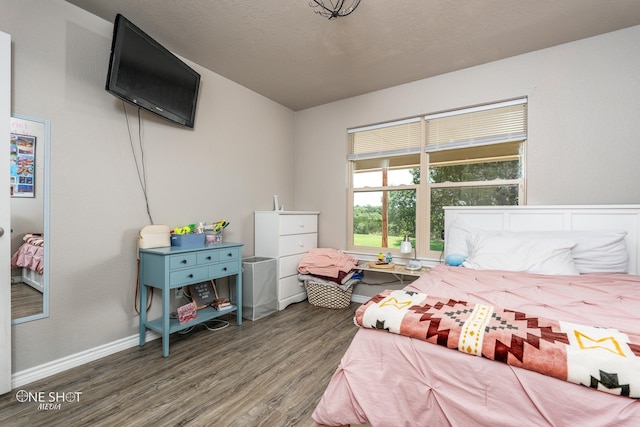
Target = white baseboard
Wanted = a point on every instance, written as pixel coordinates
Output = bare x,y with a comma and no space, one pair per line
45,370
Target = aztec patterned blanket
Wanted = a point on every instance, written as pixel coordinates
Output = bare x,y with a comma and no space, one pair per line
601,358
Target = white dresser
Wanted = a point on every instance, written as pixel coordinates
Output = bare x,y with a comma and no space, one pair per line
286,236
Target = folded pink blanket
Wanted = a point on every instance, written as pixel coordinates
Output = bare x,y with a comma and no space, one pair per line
326,262
602,358
29,256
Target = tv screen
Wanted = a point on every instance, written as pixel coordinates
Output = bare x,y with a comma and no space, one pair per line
144,73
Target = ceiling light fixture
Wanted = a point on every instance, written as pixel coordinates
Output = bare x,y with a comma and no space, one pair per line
333,9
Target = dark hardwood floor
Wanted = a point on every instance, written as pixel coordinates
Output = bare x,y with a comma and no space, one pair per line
270,372
25,301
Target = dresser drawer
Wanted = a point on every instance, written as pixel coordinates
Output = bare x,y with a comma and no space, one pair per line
188,276
297,243
224,269
289,265
289,286
182,261
298,224
232,254
208,257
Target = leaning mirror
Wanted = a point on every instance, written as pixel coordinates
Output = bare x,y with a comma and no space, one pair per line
29,178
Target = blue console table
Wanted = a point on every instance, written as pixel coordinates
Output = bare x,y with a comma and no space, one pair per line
176,266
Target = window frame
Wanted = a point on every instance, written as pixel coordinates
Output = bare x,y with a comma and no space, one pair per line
424,188
407,144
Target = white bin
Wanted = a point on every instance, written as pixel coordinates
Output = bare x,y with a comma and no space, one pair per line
259,287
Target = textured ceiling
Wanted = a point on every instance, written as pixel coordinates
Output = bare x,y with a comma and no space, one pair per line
286,52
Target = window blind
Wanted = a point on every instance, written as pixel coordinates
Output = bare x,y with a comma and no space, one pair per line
484,125
388,140
412,160
477,154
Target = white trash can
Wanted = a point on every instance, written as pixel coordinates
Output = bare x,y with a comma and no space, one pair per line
259,287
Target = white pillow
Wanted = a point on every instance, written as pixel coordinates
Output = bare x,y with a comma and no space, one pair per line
457,234
596,251
511,253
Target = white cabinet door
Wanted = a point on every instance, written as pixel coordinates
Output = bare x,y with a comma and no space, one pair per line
5,215
289,265
298,224
297,243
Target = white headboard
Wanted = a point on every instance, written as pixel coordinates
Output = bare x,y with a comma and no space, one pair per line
550,218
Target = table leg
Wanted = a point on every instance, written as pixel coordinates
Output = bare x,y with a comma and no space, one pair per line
165,320
143,312
239,298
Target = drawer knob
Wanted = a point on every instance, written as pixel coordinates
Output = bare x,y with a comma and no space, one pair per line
190,276
229,254
301,225
224,269
184,261
209,257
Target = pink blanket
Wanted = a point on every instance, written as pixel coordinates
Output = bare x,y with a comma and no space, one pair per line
598,357
29,256
326,262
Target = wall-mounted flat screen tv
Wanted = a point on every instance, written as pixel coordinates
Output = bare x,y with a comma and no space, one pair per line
144,73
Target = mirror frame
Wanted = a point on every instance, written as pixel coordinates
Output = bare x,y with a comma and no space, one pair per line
46,170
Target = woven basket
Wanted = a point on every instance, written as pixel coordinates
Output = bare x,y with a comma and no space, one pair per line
327,296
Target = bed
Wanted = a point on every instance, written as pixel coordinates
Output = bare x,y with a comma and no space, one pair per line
388,379
30,259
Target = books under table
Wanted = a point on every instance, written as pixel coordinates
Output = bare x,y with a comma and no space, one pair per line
221,304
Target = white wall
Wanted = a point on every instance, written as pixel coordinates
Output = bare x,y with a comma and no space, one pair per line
583,147
224,168
242,151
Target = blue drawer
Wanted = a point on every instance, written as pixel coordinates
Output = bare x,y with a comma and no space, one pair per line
208,257
182,261
188,276
231,254
224,269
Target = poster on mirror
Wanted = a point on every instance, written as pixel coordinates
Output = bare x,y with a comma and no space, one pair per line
23,162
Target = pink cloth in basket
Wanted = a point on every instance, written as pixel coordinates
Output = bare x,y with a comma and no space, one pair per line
326,262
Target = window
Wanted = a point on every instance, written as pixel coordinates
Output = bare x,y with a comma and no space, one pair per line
473,156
